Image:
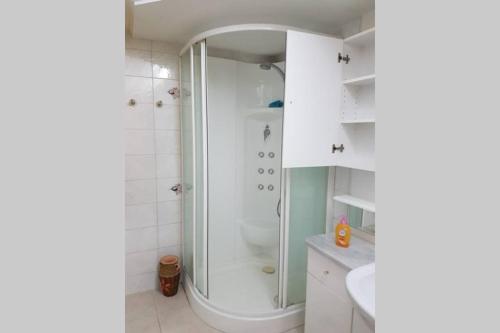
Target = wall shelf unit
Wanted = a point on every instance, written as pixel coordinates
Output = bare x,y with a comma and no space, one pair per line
361,51
358,85
355,202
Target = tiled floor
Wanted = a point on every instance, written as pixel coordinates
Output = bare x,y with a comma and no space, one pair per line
151,312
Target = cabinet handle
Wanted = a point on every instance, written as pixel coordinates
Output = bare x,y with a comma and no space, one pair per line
345,58
339,148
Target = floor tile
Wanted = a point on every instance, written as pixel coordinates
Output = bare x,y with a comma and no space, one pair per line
143,325
140,305
151,312
299,329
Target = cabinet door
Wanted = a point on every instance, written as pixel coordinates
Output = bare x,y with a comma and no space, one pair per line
359,325
312,100
325,312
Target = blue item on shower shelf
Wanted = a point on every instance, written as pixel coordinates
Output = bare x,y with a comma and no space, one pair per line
276,104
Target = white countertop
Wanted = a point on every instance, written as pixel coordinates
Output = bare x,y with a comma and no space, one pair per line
359,252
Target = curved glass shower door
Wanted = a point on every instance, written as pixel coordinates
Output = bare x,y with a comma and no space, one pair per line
193,152
187,163
232,119
244,172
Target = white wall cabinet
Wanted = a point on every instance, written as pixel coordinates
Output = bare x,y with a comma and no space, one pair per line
328,307
357,110
329,102
312,99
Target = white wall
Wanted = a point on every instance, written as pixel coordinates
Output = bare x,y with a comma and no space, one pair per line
152,160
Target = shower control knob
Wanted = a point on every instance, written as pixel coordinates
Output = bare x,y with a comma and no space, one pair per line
271,155
261,154
260,187
270,171
261,171
131,102
270,187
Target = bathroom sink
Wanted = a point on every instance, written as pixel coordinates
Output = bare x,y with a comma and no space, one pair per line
360,283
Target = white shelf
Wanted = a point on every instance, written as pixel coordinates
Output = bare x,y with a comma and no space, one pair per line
358,121
359,164
363,38
364,80
356,202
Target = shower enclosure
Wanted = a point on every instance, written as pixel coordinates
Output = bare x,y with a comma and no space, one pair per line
243,237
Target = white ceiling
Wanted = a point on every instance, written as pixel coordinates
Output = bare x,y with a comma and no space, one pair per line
180,20
250,42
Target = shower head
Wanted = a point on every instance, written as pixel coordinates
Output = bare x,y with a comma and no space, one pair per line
268,66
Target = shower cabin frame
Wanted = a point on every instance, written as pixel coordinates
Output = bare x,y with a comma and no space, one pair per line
284,317
205,164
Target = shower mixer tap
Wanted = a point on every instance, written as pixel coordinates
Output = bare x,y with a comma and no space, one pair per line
177,188
174,92
267,132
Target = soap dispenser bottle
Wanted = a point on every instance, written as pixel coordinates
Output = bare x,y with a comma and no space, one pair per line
342,233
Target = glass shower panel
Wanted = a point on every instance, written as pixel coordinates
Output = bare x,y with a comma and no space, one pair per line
201,249
306,217
187,163
244,177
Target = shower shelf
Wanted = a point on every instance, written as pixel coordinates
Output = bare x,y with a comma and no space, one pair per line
355,202
265,113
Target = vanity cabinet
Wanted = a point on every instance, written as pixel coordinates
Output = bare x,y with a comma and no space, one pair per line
359,325
329,109
328,307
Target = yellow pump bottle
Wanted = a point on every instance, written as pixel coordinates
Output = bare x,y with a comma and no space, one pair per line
342,233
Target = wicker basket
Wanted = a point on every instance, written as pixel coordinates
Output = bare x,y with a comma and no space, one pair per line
169,273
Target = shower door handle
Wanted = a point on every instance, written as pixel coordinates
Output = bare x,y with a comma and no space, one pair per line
278,208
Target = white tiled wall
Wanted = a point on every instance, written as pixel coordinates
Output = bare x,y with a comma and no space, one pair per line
152,161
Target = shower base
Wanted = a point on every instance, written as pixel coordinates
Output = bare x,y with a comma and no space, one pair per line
230,320
244,288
